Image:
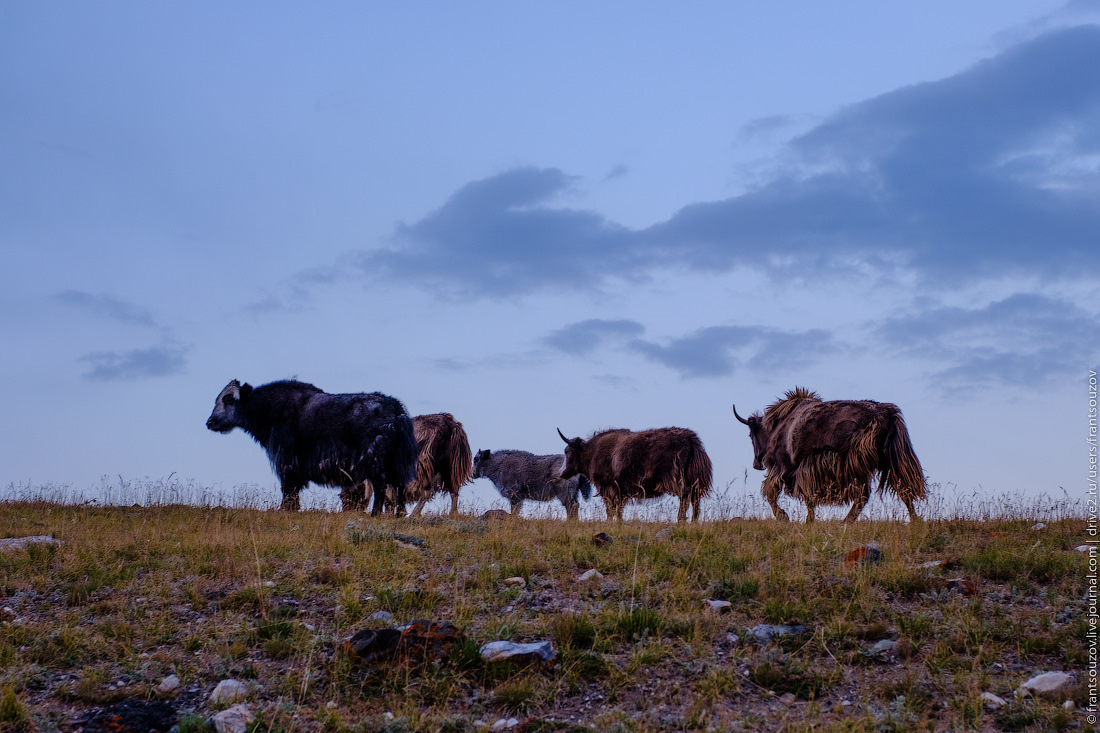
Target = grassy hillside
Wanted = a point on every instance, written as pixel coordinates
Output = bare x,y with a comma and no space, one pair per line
132,595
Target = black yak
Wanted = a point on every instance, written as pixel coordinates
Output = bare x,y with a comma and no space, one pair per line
444,462
350,441
520,475
827,453
623,465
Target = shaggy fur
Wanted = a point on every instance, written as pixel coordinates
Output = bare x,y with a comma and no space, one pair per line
827,453
444,463
624,466
350,441
519,475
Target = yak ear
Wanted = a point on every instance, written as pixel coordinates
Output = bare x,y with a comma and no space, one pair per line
246,389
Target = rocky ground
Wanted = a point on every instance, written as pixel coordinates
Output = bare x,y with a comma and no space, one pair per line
240,619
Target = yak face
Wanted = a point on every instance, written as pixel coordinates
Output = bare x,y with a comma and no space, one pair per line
481,458
574,457
757,436
224,417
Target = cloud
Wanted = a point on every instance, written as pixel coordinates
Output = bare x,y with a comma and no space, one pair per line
585,337
991,172
715,351
155,361
719,351
107,306
1025,340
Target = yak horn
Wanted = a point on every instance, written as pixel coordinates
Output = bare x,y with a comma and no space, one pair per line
739,418
563,437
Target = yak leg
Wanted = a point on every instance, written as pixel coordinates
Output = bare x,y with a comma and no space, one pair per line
695,509
770,490
809,513
454,503
681,515
291,502
353,498
913,516
858,504
379,500
418,508
572,510
517,504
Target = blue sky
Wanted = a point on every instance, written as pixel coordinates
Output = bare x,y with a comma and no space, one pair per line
535,217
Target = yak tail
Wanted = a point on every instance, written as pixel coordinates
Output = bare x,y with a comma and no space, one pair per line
901,471
698,473
584,487
461,462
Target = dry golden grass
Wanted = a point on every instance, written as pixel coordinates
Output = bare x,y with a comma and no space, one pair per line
134,594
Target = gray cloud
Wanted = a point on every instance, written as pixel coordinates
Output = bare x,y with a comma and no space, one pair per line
107,306
987,173
155,361
719,351
1023,340
585,337
716,351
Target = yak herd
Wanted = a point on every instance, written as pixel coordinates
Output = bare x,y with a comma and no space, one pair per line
818,452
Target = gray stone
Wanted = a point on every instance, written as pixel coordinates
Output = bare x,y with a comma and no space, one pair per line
169,684
718,606
501,651
384,616
1045,683
228,692
592,574
20,543
234,720
763,633
992,701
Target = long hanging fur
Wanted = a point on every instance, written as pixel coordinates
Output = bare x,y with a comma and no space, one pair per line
838,468
444,450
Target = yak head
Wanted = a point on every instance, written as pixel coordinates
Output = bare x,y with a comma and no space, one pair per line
756,434
481,458
226,415
575,460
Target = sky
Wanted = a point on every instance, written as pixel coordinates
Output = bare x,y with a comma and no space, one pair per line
542,216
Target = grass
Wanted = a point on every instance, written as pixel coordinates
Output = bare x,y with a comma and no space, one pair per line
135,593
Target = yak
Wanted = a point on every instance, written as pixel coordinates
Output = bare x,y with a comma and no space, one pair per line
350,441
520,475
444,462
828,452
625,465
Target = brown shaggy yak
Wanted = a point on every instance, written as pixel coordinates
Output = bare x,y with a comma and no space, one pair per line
623,465
827,453
445,462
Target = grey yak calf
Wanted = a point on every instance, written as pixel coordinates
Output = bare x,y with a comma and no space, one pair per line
828,452
348,441
624,465
519,475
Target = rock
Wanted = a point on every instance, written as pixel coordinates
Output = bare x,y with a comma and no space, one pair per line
1038,526
417,641
131,716
718,606
515,581
992,701
1045,683
1068,705
962,586
882,648
931,564
228,692
408,539
495,514
592,574
539,652
1084,548
732,638
234,720
787,698
384,616
601,539
664,534
763,633
504,724
169,684
20,543
868,554
269,584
